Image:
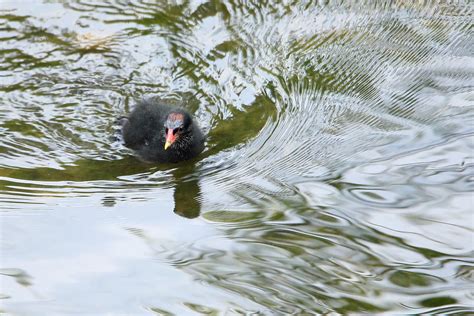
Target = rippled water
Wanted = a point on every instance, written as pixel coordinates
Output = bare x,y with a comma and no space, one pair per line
337,176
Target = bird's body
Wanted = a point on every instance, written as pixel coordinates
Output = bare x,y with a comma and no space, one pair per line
161,133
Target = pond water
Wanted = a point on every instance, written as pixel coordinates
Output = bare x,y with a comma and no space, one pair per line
337,175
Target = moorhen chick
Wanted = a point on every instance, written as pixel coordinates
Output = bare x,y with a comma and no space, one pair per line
161,133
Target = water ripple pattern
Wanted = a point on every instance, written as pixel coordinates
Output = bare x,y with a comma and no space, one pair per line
337,175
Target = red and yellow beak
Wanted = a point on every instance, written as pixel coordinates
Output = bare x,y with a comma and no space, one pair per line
170,138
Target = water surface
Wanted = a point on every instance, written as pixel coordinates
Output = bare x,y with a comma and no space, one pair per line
337,174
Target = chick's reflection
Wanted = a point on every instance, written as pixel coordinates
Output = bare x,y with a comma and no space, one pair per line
187,196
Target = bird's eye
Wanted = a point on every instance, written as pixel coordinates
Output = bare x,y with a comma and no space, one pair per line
166,130
180,129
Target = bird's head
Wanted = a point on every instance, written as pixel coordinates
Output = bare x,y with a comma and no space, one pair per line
177,127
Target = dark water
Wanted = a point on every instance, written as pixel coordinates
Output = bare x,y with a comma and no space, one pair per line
337,176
